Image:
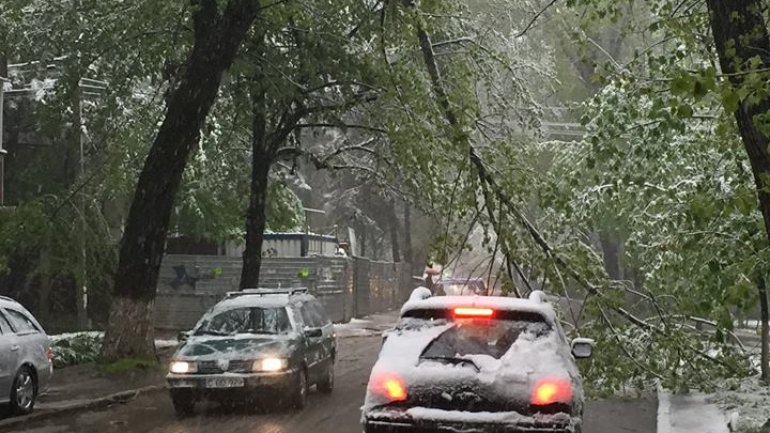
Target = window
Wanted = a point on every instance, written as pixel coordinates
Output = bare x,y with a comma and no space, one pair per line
483,337
20,322
5,327
321,313
310,316
246,321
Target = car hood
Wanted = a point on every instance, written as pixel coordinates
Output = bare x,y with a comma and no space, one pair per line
245,347
512,377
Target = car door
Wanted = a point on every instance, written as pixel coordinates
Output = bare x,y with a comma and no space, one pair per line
9,357
313,343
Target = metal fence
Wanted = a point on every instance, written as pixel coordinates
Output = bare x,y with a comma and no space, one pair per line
189,285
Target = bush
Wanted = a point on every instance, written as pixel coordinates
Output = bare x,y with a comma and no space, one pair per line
78,349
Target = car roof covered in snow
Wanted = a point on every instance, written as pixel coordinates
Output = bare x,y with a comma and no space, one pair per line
262,298
537,303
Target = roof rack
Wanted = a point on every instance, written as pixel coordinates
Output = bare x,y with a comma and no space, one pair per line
264,292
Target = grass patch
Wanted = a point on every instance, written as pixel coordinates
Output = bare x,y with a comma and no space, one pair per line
127,364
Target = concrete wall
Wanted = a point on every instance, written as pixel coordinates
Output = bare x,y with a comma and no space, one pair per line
189,285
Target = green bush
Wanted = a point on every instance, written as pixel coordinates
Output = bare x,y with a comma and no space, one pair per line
79,349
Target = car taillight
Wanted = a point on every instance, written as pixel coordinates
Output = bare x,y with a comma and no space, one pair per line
549,391
473,312
389,385
50,355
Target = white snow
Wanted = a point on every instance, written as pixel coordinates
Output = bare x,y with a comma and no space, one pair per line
689,413
494,302
526,361
747,403
159,342
422,413
70,335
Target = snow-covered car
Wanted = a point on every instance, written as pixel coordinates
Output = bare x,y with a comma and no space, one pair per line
26,360
255,342
460,287
476,364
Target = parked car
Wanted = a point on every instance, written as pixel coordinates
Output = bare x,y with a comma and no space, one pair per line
460,286
26,360
255,342
476,364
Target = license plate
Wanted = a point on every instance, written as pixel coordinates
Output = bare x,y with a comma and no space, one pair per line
224,382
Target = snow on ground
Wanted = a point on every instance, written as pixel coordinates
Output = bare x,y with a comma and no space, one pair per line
159,342
689,413
749,399
71,335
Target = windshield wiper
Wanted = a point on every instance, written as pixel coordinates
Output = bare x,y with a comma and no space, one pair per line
453,360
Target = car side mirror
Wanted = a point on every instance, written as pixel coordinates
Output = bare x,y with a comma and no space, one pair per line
582,348
314,332
183,336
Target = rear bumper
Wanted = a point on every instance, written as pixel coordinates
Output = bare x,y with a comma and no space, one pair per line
439,421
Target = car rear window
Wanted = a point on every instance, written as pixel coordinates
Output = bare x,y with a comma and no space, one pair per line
246,320
475,336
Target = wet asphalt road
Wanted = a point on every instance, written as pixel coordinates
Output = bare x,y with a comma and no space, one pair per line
335,413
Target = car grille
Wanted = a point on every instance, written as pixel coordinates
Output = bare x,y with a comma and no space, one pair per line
234,366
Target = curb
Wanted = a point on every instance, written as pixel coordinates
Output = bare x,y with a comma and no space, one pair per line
97,403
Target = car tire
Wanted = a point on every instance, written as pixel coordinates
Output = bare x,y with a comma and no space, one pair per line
299,390
326,385
23,391
184,404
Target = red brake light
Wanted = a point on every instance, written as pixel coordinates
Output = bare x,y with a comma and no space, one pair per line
550,391
390,386
473,312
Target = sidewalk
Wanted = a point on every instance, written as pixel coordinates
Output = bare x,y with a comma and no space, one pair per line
81,384
690,413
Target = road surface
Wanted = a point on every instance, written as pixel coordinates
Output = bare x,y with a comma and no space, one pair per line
335,413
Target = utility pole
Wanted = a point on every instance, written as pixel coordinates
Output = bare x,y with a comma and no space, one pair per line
86,88
2,150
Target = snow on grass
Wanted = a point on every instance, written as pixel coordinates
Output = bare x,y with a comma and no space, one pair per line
748,400
159,342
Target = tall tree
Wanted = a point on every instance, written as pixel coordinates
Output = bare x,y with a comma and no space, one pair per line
218,33
743,45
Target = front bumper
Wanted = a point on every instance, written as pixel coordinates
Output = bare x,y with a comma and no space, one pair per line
202,385
425,420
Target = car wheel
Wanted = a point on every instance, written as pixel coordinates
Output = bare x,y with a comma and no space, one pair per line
184,404
326,385
23,392
299,393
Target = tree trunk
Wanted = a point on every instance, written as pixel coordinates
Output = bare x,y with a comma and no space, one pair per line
395,245
740,34
256,219
217,36
408,249
765,326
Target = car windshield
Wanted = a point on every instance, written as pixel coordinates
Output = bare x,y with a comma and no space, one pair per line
246,320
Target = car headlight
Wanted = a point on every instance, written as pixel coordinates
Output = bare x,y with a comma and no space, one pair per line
182,367
270,364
